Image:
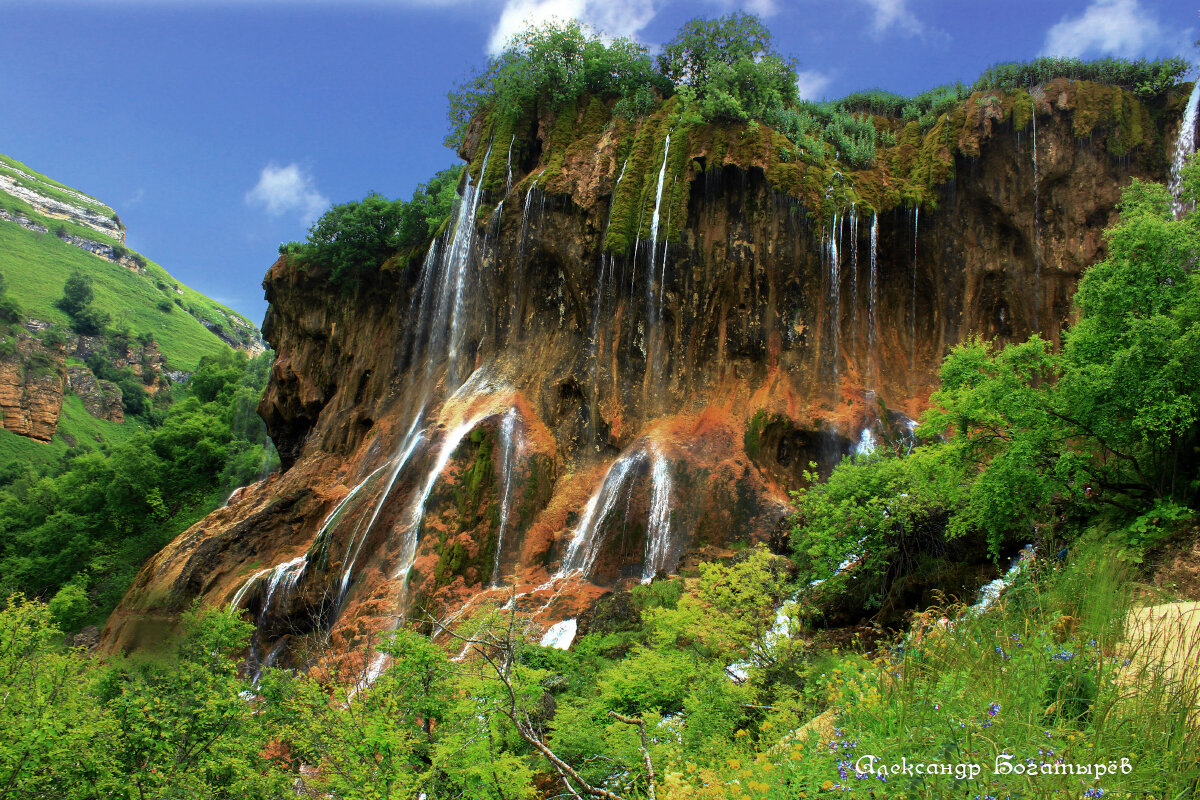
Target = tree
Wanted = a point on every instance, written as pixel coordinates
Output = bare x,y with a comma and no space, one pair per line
552,65
77,294
76,302
730,67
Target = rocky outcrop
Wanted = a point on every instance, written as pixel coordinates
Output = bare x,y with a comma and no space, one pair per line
101,398
31,388
78,208
632,354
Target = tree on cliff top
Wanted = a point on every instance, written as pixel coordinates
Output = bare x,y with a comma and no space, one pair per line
355,238
552,64
729,67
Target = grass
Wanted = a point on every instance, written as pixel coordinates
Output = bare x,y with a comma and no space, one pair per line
36,266
1052,678
49,187
76,428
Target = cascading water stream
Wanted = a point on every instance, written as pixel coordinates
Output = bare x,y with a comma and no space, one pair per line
1037,231
510,443
1185,145
606,280
508,166
407,448
872,290
523,234
658,526
459,262
834,257
853,269
662,175
585,544
912,307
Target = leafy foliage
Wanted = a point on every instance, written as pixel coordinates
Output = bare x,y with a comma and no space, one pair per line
91,520
77,303
353,239
1109,423
727,68
1142,77
553,64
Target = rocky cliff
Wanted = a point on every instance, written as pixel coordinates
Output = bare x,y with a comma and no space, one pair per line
31,387
626,349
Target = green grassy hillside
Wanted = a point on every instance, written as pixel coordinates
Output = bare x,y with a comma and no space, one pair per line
36,265
144,299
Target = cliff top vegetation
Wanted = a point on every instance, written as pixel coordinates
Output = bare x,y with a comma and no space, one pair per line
720,86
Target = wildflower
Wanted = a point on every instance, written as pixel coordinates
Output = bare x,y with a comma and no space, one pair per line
993,709
1096,792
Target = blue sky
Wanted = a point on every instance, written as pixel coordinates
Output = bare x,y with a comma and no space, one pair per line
218,128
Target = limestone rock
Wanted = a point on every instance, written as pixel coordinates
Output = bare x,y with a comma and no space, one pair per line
31,388
101,398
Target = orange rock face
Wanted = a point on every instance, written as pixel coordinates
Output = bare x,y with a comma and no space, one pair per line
520,417
31,389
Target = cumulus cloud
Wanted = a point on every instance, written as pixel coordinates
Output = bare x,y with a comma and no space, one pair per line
810,84
889,14
613,17
286,190
1112,27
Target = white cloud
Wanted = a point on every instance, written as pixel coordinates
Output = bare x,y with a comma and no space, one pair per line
613,17
1113,27
283,190
811,84
893,14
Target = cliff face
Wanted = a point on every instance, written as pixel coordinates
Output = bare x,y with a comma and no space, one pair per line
543,405
31,388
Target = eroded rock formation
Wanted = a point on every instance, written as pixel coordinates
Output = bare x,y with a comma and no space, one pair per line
628,352
31,388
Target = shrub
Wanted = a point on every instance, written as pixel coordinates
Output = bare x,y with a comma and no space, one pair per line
1142,77
552,64
164,305
730,68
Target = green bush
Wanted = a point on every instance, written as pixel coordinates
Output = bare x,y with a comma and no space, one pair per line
730,69
552,65
353,239
1142,77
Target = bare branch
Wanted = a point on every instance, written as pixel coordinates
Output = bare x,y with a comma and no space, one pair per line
645,748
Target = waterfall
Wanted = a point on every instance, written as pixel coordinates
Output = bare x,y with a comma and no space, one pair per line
510,441
249,583
1185,145
286,575
407,448
518,312
1037,232
835,284
853,269
460,255
872,287
866,443
508,166
443,284
662,175
450,443
560,635
658,526
912,308
585,544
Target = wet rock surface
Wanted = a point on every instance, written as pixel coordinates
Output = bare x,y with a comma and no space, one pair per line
523,417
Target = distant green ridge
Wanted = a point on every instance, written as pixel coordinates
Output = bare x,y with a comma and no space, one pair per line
186,324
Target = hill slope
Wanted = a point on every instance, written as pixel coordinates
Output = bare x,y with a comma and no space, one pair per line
158,330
